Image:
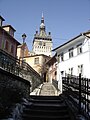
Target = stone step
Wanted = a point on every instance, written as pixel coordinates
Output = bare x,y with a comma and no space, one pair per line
44,117
46,101
45,112
46,107
40,97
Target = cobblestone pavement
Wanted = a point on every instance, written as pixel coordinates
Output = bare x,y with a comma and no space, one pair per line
48,89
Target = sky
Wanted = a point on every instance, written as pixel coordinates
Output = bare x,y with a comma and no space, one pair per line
65,19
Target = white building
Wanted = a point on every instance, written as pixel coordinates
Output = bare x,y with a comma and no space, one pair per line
74,57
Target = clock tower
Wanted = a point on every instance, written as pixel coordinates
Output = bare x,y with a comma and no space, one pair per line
42,42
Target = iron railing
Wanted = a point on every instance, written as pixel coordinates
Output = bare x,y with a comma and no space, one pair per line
9,63
20,68
78,90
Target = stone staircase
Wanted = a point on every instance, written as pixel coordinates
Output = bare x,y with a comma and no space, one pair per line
46,107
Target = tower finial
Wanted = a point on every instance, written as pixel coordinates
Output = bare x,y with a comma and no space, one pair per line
42,15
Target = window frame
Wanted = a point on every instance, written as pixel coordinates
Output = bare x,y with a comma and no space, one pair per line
79,48
6,45
80,69
71,54
12,49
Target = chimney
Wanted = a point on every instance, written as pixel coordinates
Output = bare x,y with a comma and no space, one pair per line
1,21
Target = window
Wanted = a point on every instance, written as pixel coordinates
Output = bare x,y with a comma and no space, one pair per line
6,45
71,71
12,49
79,48
36,60
80,69
71,53
62,57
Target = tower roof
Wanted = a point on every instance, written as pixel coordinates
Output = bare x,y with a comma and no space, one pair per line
42,31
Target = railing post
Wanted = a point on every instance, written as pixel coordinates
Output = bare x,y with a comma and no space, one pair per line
80,93
85,94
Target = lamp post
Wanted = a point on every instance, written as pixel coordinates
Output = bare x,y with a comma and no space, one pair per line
23,37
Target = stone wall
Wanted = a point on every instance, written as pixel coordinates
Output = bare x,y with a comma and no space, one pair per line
12,91
16,83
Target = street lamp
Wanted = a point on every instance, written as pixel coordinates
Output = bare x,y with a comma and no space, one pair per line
23,37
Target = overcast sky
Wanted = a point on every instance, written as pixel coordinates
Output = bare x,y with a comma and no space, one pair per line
65,19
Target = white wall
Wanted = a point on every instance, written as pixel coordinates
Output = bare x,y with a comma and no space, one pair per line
83,58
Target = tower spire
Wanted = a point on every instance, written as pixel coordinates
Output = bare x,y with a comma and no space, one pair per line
42,25
42,19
